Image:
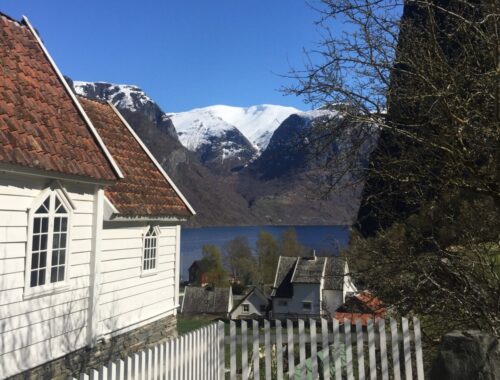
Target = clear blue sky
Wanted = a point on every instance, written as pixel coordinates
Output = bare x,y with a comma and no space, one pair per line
183,53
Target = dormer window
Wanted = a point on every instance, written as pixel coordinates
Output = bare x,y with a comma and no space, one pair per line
150,250
47,256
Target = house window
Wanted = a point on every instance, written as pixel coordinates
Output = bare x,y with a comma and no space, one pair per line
150,252
246,308
48,242
282,303
307,305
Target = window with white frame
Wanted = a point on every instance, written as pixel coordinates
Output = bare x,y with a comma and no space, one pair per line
150,253
48,242
246,308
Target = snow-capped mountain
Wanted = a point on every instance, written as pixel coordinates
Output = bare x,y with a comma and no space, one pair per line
256,123
128,99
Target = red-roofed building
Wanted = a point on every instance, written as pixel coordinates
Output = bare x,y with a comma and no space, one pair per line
89,223
362,306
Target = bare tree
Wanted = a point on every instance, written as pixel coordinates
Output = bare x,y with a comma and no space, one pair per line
423,77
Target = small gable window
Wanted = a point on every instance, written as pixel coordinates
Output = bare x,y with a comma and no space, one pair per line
47,261
246,308
150,250
307,305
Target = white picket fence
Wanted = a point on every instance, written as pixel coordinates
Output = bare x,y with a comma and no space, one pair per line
301,349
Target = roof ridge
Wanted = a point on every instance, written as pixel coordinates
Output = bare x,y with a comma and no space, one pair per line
10,18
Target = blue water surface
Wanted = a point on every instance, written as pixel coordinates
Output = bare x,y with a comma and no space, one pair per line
324,239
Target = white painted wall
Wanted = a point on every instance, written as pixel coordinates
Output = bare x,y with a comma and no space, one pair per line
33,331
301,293
130,299
332,299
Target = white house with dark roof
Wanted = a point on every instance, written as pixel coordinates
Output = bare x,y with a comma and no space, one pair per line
89,224
255,304
310,286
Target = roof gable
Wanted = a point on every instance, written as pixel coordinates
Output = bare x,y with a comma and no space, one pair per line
144,191
41,126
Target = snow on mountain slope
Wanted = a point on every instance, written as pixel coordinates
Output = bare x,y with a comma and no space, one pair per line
196,128
121,95
256,123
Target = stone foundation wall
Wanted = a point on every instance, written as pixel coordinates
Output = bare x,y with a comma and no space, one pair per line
114,348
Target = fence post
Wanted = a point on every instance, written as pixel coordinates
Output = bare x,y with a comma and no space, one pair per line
232,349
255,351
279,350
336,349
314,348
290,348
407,349
348,348
371,350
221,350
395,349
418,349
244,350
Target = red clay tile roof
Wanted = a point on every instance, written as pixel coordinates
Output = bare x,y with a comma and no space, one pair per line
144,191
40,126
362,306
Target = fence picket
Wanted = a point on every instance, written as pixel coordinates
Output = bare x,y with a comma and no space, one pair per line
220,350
267,348
383,350
103,373
348,349
244,350
314,348
371,350
232,349
302,348
418,349
211,355
83,376
255,350
94,375
325,347
395,350
336,350
279,351
111,371
406,349
360,349
290,349
168,360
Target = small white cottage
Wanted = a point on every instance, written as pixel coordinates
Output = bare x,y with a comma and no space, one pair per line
310,286
89,223
255,304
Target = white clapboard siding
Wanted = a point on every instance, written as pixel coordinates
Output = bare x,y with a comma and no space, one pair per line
46,327
121,293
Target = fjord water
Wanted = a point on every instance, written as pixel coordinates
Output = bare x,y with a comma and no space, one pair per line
324,239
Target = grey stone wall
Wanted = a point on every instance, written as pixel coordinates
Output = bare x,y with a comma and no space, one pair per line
111,349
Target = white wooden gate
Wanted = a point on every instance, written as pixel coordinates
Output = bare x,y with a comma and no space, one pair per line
300,349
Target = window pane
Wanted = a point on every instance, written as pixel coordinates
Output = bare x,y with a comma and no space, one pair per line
64,226
41,277
53,274
62,257
57,224
55,241
45,225
34,277
34,261
61,274
44,208
36,243
43,242
55,258
43,260
36,225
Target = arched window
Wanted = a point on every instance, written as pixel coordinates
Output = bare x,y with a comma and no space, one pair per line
48,242
150,250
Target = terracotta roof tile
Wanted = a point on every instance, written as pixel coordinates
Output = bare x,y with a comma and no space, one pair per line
40,126
144,191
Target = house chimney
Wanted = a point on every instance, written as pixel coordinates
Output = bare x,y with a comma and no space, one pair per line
314,254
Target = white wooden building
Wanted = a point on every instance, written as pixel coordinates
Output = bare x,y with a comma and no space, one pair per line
89,221
255,304
310,286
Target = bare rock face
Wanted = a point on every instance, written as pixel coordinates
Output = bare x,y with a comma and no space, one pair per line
467,355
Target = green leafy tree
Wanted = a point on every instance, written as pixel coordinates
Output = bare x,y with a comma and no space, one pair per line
211,265
268,255
290,245
240,260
